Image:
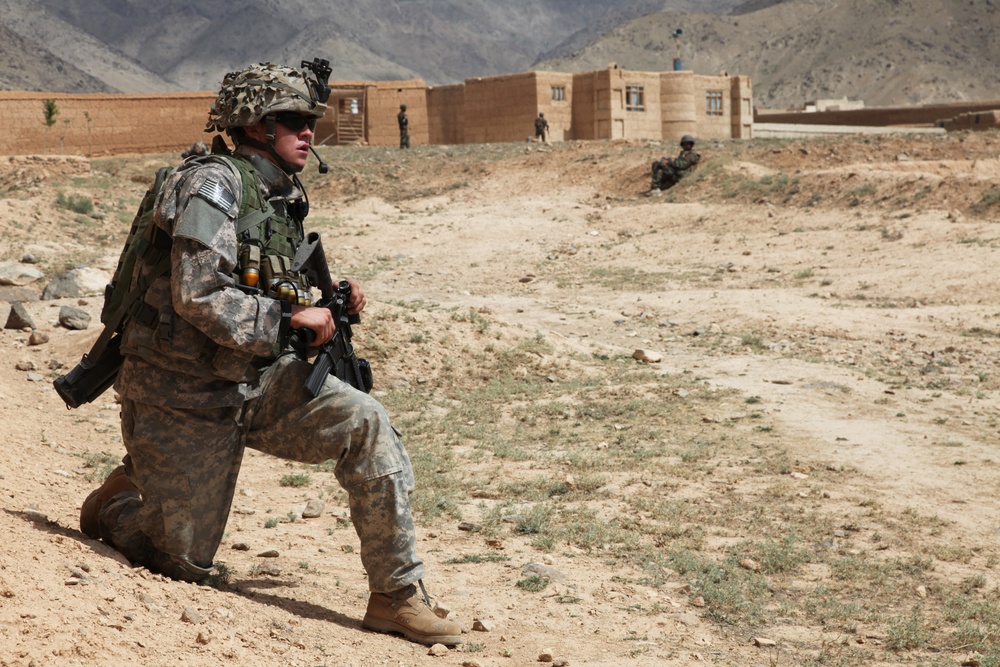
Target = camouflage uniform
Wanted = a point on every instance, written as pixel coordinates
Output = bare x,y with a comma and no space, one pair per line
404,127
668,171
214,374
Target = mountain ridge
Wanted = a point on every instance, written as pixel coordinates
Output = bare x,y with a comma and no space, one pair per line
884,52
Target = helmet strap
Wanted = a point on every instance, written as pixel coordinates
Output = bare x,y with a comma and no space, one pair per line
247,140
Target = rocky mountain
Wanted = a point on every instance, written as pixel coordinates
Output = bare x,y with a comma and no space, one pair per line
885,52
192,44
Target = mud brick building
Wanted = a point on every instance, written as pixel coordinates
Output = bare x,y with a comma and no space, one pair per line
605,104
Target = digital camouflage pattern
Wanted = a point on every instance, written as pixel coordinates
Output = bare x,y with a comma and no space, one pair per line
667,171
209,377
252,93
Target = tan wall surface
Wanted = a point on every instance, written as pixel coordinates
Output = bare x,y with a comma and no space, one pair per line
500,108
636,123
585,106
710,126
103,124
384,98
923,115
445,112
559,113
677,103
979,120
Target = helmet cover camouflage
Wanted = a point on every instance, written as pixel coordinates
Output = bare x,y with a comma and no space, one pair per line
687,139
252,93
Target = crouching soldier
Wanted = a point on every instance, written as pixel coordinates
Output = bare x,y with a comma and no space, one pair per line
214,368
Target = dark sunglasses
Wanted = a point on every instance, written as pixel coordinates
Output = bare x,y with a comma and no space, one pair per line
295,121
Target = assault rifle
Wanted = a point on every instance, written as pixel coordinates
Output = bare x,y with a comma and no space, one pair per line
336,356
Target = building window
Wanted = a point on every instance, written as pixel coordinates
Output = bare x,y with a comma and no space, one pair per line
713,103
558,93
634,99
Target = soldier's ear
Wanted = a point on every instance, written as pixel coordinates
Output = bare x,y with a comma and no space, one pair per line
257,131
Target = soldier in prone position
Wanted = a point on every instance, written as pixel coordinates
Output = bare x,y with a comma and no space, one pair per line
212,366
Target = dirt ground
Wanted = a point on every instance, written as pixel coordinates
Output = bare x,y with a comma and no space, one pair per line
841,288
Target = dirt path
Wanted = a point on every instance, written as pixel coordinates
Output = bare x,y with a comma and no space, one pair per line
865,334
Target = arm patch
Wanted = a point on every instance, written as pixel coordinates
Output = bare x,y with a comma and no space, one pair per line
217,195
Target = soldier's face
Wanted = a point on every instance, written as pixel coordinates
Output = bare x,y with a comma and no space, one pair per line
293,143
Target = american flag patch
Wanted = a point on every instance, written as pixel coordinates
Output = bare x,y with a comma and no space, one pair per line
216,195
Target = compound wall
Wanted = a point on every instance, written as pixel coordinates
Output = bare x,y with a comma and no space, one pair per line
445,114
930,114
102,124
383,101
605,104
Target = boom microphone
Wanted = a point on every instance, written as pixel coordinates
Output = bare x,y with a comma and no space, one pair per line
323,166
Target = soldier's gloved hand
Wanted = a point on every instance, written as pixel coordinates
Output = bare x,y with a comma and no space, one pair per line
318,320
358,300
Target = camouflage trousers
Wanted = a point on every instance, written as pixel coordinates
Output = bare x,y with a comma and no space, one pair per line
186,462
663,176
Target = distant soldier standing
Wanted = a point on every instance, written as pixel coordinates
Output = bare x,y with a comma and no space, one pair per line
541,127
667,171
404,127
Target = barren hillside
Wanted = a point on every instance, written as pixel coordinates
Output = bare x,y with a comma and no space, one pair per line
750,422
886,53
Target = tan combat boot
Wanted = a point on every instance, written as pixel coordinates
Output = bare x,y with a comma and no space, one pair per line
117,482
405,613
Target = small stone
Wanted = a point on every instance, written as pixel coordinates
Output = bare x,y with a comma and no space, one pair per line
74,318
545,655
550,573
191,616
921,591
469,527
441,611
750,564
764,643
38,338
18,318
482,625
203,638
471,663
270,553
25,365
314,508
560,662
647,356
438,650
269,569
241,546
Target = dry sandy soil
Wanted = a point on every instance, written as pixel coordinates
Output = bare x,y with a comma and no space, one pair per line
838,296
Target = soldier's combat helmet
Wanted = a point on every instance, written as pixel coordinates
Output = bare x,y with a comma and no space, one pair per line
687,139
249,95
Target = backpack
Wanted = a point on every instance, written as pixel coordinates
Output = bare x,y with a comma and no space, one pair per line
99,367
140,238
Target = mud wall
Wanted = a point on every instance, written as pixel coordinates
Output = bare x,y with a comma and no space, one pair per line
931,114
554,93
102,124
445,109
383,101
501,108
